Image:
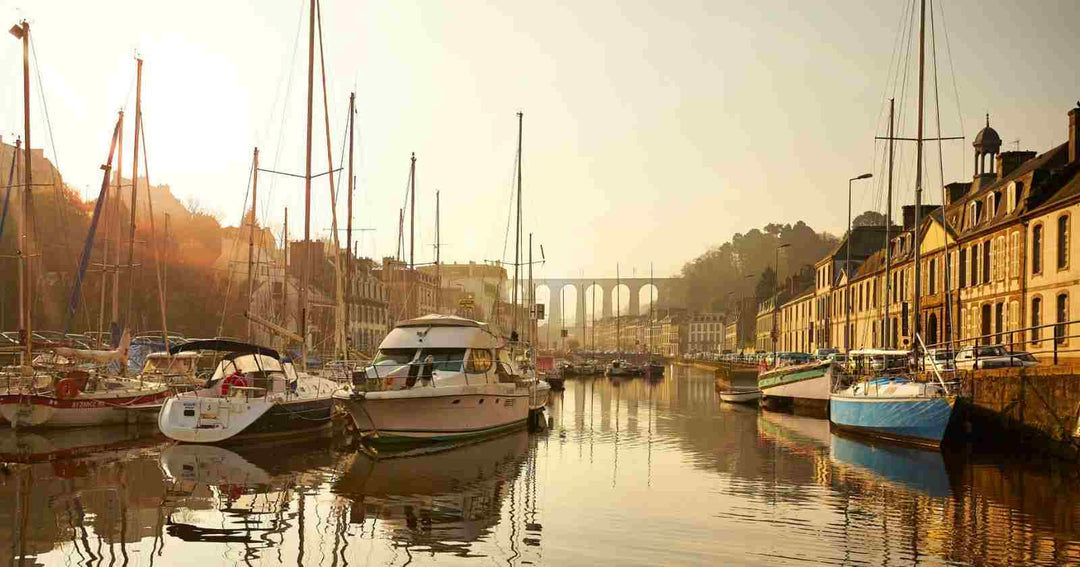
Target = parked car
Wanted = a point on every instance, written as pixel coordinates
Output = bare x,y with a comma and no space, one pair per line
992,356
822,354
941,358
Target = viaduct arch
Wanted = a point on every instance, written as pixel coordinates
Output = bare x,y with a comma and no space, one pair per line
664,294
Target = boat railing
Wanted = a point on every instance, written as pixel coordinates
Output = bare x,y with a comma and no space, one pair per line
424,372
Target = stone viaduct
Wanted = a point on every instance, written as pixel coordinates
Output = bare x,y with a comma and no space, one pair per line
664,294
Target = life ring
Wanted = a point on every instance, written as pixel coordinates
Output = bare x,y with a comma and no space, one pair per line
234,379
67,388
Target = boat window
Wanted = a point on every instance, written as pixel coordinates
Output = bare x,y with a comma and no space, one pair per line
480,361
444,359
394,356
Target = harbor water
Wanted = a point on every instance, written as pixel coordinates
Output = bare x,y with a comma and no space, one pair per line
628,473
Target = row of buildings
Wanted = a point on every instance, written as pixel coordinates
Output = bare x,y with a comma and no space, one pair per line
995,265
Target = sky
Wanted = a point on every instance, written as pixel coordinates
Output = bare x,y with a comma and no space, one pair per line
652,130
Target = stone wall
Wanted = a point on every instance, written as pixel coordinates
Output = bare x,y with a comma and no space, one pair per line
1037,407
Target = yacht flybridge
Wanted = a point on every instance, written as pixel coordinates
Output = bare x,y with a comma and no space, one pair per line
441,377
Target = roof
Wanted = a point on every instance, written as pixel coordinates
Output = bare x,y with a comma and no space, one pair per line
222,345
436,320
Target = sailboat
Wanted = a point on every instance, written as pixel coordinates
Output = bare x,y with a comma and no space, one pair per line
74,396
254,390
891,405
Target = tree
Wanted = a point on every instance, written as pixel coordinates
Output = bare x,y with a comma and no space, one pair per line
869,218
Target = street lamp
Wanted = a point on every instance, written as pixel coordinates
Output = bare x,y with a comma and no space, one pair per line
776,300
847,265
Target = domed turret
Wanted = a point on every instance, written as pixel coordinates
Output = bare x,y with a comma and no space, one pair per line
987,143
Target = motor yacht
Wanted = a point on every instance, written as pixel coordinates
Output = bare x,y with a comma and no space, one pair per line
441,377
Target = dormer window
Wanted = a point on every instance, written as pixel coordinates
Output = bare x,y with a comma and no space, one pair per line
1014,194
973,214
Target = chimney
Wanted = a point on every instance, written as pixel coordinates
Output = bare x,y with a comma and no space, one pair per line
1074,134
1007,162
955,191
909,214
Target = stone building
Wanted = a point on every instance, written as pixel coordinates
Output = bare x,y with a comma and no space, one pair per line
995,259
706,332
368,304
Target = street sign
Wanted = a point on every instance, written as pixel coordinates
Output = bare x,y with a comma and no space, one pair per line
537,312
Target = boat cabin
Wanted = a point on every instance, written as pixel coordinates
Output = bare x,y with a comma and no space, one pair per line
438,351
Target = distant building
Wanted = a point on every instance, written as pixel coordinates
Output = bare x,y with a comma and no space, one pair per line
705,332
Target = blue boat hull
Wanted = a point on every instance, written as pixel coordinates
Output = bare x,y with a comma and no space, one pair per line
921,420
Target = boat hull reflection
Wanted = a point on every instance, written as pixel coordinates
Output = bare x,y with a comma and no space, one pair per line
920,469
435,495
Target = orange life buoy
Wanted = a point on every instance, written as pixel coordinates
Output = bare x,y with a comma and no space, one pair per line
234,379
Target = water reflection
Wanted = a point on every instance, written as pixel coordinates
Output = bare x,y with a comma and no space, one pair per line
630,472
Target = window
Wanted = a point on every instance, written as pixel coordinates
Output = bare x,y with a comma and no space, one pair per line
991,205
1062,317
973,214
963,268
1036,319
1063,242
999,258
986,262
932,275
1036,249
975,265
1014,254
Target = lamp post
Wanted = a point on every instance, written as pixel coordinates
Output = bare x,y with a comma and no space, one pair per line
847,265
776,301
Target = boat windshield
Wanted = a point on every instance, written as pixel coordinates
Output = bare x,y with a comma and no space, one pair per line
247,363
169,365
394,356
444,359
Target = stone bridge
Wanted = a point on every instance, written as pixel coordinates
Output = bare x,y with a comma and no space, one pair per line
664,294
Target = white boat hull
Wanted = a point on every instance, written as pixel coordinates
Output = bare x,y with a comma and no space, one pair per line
438,413
191,418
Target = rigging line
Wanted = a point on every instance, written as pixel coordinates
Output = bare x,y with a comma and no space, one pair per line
956,89
153,229
946,268
232,255
58,188
283,121
510,209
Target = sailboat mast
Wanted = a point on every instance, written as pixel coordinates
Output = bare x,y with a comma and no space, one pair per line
348,222
517,226
285,271
339,300
919,169
134,194
888,228
531,299
438,257
307,192
251,239
649,340
412,211
26,258
115,321
618,313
